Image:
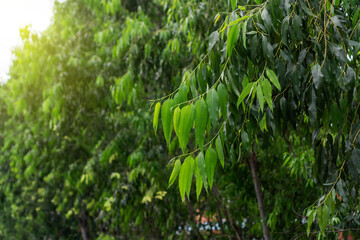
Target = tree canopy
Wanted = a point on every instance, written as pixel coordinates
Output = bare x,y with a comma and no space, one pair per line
168,119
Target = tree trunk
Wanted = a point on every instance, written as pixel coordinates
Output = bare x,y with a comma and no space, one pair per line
83,226
257,187
228,216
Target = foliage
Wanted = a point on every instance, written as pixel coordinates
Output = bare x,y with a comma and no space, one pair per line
243,89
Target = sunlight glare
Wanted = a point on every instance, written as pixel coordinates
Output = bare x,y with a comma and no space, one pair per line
16,14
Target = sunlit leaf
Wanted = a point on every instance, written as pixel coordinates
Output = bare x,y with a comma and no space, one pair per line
174,172
156,116
185,177
246,91
167,119
185,125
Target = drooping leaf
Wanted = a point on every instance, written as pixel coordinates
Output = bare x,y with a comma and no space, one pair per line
302,56
185,177
233,4
232,37
201,117
210,165
267,90
177,114
355,158
174,172
285,29
213,39
201,78
265,16
199,181
306,9
156,116
317,75
167,119
260,97
323,217
273,78
212,100
243,30
216,18
219,150
181,95
223,95
268,49
246,91
185,125
310,220
262,123
200,161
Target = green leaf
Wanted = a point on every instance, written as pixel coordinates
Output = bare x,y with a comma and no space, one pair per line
210,165
262,123
213,39
212,100
285,29
199,181
245,93
201,78
306,9
317,75
181,95
355,158
200,161
174,172
156,116
232,37
302,56
167,119
216,18
233,4
186,123
273,78
323,217
265,16
185,177
238,20
223,99
245,139
297,26
219,150
201,116
268,49
310,220
177,114
243,30
260,97
267,90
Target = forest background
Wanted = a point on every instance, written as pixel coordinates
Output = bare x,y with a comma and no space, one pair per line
168,119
